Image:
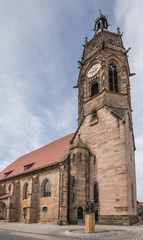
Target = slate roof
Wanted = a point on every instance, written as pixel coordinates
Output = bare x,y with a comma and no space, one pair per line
48,155
118,111
140,204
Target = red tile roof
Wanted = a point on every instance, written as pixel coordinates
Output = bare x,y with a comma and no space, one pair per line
5,196
140,204
40,158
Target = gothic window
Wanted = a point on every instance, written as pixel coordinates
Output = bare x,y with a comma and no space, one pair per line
80,213
113,78
94,89
9,188
47,189
26,191
95,193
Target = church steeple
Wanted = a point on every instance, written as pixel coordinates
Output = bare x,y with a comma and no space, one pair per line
100,23
105,126
104,72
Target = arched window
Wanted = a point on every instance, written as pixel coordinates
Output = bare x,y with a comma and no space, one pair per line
95,193
113,78
94,89
47,189
26,191
80,213
98,25
9,188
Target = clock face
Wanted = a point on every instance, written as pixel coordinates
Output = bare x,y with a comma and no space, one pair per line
93,70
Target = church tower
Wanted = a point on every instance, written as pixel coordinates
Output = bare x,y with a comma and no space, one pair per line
105,125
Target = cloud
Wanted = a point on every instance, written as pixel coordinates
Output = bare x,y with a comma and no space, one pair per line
63,115
40,44
20,129
129,16
36,104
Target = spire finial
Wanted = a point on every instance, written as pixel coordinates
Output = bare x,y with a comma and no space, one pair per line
86,40
101,23
118,31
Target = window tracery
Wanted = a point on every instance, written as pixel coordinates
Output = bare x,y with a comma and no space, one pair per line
26,191
113,78
47,189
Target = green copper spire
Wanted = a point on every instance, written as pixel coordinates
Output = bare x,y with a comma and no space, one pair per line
100,23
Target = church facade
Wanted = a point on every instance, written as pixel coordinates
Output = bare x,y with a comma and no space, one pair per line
96,163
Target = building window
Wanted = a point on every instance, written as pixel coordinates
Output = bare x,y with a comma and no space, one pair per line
95,190
94,114
98,25
132,192
7,173
24,210
73,157
80,213
73,180
45,209
47,189
80,157
94,160
73,197
94,89
9,188
26,167
26,191
113,78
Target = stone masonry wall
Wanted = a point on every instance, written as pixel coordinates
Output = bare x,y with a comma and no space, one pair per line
35,202
107,141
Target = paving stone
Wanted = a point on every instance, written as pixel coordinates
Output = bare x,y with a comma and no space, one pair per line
20,231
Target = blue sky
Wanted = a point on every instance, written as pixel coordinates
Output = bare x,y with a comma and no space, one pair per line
40,44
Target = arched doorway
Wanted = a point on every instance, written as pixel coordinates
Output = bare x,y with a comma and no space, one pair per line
96,216
2,211
80,213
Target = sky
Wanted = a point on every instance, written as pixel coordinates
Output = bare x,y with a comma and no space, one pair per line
40,44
